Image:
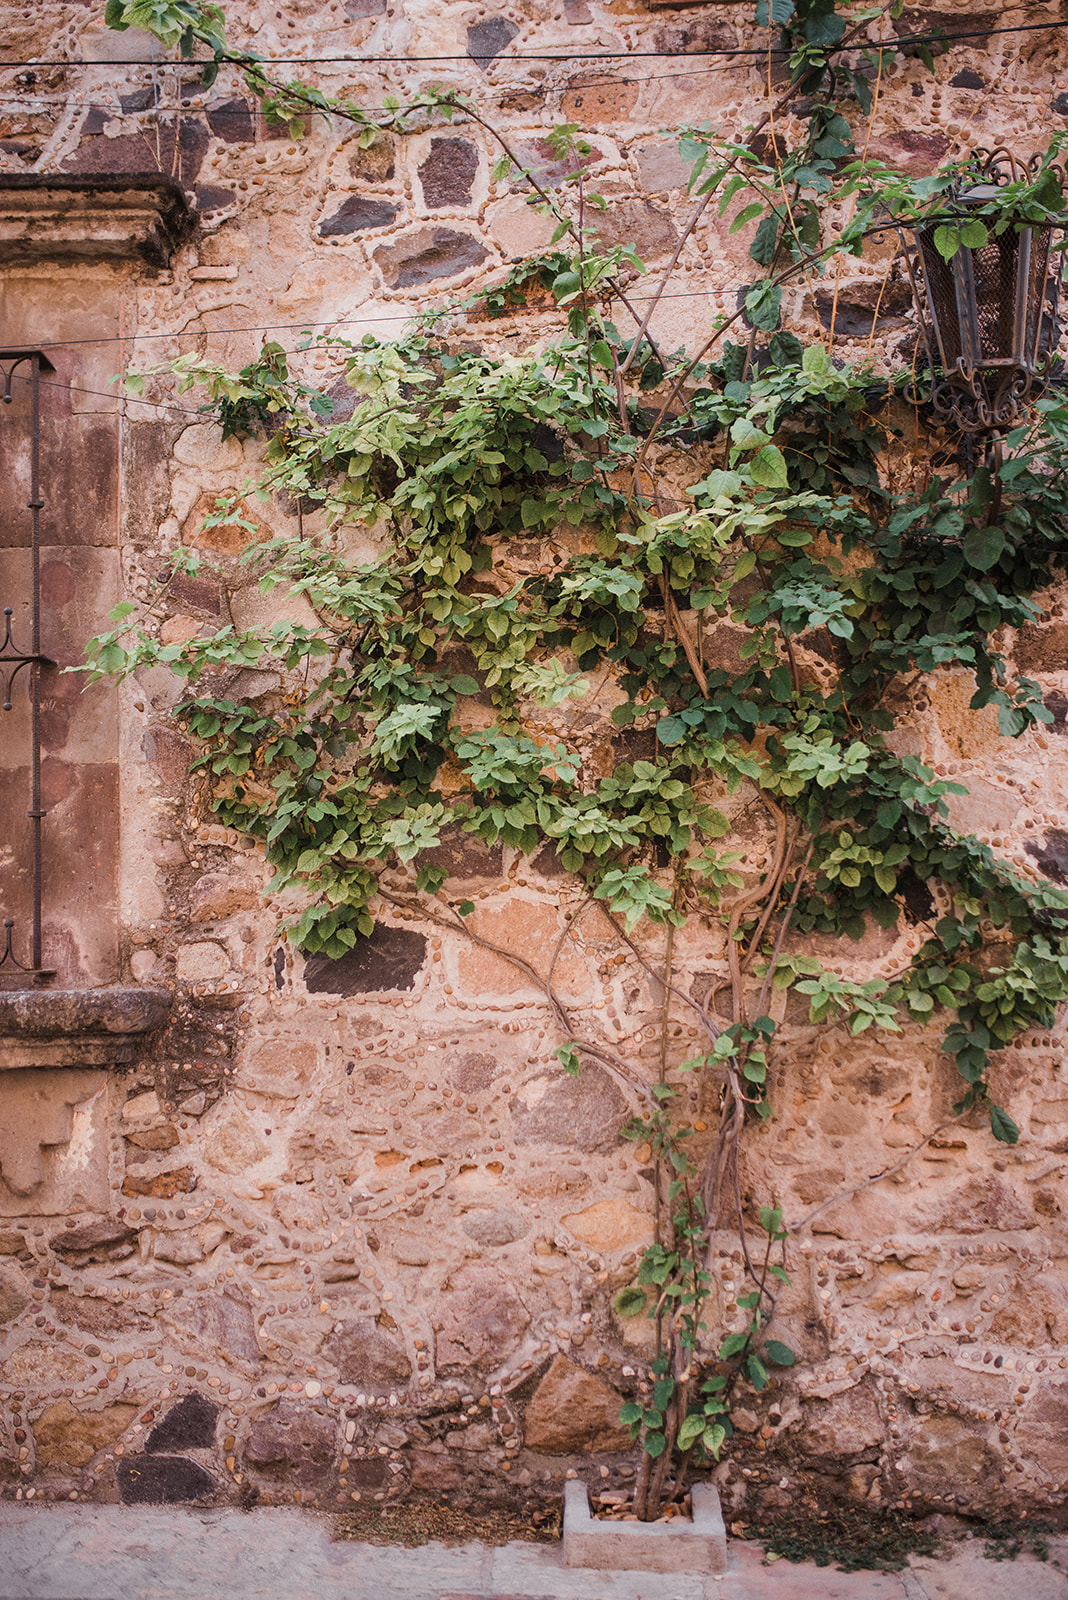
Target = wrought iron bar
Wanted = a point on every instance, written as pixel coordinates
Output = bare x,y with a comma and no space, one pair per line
992,307
12,661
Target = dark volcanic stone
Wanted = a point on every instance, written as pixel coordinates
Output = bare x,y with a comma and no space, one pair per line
583,1113
1052,854
448,173
546,861
428,254
389,958
862,306
1056,702
921,23
181,158
210,197
190,1425
364,1354
357,213
464,856
232,120
140,100
966,79
371,1473
487,39
200,593
162,1481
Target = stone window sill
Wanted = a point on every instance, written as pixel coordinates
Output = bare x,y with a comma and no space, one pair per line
77,1027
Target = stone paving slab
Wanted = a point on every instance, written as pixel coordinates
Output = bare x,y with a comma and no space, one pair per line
85,1552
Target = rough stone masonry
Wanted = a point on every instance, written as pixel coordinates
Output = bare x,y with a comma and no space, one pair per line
339,1231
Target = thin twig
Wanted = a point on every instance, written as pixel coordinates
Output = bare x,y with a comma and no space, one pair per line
599,1052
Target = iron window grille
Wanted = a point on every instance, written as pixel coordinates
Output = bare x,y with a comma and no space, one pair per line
14,661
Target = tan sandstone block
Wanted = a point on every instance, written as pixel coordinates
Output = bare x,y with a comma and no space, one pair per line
572,1411
67,1437
529,930
234,1143
279,1066
610,1225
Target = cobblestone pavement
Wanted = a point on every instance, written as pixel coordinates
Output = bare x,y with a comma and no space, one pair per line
123,1553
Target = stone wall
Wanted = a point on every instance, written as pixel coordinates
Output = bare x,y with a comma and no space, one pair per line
344,1230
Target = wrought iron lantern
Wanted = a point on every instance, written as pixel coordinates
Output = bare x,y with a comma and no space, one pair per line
993,307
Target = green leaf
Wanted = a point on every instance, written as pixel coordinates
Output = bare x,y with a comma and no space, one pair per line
974,234
629,1302
654,1444
947,241
713,1439
463,684
732,1344
774,13
671,730
691,1429
569,1059
780,1355
663,1389
630,1413
756,1372
983,546
763,304
746,215
1002,1126
768,468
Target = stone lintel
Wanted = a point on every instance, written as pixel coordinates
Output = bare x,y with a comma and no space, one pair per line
92,217
77,1027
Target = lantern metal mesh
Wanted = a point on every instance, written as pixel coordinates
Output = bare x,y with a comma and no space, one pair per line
992,310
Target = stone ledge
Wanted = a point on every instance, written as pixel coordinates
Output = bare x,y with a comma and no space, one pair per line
676,1546
77,1027
49,217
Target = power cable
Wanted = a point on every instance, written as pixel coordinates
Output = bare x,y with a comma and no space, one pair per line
904,42
283,327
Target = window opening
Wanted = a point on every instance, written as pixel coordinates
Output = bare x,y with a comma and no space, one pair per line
13,660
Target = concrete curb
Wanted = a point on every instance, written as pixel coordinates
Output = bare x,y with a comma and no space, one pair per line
676,1546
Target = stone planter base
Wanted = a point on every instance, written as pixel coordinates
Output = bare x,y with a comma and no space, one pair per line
676,1546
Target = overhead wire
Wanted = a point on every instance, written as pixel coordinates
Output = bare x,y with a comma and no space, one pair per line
236,60
184,107
308,323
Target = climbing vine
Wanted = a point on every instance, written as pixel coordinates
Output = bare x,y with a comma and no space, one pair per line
497,549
